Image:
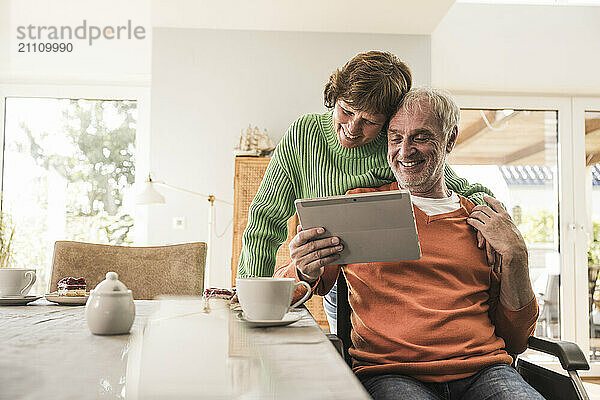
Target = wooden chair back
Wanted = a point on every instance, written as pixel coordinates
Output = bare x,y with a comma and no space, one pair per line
146,271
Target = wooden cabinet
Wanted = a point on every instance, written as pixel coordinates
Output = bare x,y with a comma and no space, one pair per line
248,174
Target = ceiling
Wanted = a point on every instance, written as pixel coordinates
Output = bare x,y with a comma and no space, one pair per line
409,17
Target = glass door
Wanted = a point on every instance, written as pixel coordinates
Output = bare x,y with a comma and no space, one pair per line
514,152
592,181
586,137
521,148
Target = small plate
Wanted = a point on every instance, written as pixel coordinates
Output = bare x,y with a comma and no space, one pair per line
17,300
67,300
288,319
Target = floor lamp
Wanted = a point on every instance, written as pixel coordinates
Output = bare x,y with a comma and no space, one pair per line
149,195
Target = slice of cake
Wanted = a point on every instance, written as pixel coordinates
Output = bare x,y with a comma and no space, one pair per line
218,293
71,287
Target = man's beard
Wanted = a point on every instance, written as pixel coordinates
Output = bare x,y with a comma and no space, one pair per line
422,181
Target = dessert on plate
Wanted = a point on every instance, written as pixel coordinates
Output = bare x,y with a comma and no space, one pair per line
219,293
71,287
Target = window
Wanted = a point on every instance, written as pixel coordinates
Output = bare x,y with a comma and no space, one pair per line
68,171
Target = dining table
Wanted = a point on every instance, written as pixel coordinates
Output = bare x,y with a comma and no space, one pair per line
178,348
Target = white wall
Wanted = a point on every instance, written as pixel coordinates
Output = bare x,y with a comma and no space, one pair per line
117,61
4,34
209,84
518,48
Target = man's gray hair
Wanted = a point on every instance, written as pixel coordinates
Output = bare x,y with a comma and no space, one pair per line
442,104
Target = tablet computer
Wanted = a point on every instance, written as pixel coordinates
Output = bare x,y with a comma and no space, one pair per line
373,227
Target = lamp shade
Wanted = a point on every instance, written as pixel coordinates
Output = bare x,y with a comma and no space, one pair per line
149,195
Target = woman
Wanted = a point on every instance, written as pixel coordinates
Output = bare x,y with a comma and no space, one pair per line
331,153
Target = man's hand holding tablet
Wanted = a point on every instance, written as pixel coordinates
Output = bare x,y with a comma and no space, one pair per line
310,255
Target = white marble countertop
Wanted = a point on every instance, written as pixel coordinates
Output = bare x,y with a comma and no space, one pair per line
174,351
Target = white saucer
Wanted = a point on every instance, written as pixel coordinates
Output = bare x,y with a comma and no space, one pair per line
288,319
67,300
17,300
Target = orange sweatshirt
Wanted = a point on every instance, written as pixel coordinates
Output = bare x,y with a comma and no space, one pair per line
438,318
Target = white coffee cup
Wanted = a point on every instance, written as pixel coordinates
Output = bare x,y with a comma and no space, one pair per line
16,282
268,299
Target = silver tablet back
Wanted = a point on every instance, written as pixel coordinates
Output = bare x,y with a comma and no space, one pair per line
373,227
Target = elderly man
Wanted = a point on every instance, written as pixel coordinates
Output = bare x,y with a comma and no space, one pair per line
443,326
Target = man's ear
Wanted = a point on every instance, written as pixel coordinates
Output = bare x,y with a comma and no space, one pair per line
452,139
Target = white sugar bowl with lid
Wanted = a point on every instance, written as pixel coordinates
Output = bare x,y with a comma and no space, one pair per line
110,309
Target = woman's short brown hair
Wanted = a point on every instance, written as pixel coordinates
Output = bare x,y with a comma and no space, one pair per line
373,82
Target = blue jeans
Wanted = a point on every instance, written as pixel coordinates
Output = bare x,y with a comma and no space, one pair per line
497,382
330,306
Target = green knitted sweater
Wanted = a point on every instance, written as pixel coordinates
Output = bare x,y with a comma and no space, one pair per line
310,162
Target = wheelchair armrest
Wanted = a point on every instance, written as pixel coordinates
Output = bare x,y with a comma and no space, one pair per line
569,354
